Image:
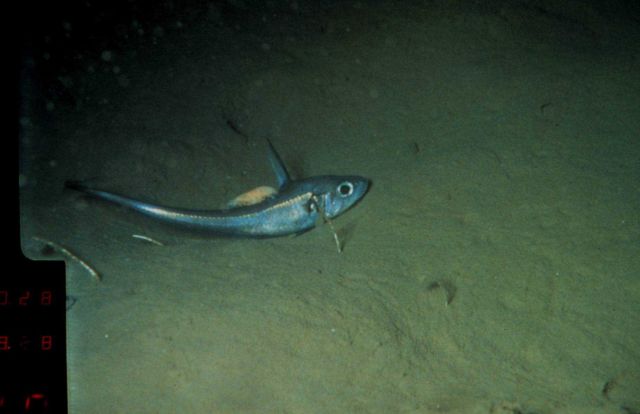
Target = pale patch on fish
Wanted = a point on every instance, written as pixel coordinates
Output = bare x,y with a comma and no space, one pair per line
255,196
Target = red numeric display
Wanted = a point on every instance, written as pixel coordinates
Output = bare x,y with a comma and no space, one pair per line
25,298
26,343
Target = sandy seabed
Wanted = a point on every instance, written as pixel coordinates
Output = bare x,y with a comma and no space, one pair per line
493,267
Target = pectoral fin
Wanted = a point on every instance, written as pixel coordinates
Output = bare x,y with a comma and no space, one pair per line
255,196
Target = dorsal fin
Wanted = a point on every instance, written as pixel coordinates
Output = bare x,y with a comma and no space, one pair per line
278,166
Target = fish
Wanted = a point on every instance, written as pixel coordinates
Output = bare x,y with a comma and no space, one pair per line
295,207
251,197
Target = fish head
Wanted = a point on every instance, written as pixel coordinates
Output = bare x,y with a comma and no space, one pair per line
337,194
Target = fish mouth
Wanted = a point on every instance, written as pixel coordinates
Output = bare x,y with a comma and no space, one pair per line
367,184
364,187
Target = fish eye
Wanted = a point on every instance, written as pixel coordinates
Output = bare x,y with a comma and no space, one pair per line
345,189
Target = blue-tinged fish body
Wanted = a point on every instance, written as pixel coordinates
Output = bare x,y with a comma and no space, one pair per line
296,207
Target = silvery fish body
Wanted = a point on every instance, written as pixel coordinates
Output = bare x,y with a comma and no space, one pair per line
296,207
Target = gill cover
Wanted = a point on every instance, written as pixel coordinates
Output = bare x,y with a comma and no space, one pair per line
341,193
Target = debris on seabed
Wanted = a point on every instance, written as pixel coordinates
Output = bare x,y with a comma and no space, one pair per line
147,239
65,252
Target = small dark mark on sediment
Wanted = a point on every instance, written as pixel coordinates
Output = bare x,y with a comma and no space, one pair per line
607,387
448,288
236,127
71,300
544,106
